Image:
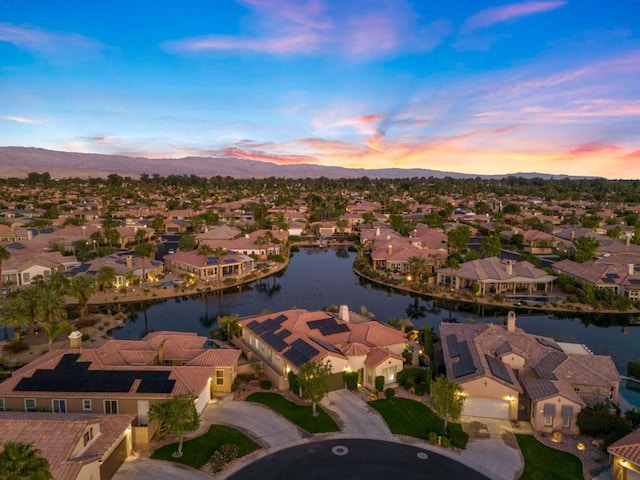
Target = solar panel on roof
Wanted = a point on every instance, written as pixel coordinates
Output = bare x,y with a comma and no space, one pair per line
300,352
284,333
229,260
328,326
498,369
281,318
274,341
465,365
549,344
452,343
72,376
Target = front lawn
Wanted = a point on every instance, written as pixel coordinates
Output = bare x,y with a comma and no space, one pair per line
408,417
197,451
542,462
299,414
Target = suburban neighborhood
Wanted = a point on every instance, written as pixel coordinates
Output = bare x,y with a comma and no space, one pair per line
74,253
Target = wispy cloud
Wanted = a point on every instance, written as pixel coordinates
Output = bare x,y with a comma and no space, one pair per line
279,27
53,45
11,118
491,16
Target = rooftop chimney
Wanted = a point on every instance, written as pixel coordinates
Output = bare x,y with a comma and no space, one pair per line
344,312
129,260
75,339
630,268
511,321
509,267
377,231
389,249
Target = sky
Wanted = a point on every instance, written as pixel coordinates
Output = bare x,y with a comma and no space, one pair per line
480,87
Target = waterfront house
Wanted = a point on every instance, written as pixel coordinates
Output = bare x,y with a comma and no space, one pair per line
494,275
232,266
284,341
124,265
122,377
509,374
26,267
624,456
617,274
92,447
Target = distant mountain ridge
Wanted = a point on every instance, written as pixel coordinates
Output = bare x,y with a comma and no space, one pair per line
19,161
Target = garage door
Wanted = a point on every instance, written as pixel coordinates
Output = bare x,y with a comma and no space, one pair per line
486,407
633,475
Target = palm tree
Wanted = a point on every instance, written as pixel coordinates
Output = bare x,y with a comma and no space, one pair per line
50,306
20,460
52,330
417,266
31,298
131,278
4,255
230,321
205,251
144,250
15,314
82,288
58,282
220,252
106,277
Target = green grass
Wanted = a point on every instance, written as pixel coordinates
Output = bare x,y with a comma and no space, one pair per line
299,414
408,417
197,451
542,462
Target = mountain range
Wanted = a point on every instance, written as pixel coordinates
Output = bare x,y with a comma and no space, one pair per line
19,161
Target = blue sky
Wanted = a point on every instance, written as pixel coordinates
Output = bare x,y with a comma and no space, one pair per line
468,86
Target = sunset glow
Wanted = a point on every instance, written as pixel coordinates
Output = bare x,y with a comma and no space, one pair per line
482,88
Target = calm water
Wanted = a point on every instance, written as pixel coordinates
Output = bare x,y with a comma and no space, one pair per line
317,278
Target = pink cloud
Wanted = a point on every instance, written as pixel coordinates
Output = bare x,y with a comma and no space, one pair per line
295,27
267,157
10,118
491,16
60,46
591,148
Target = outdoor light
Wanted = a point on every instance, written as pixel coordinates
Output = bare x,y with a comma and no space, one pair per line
623,463
510,398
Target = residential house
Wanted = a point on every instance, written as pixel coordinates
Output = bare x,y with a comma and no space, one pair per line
609,273
392,252
534,242
122,377
92,447
260,243
211,268
350,343
25,268
124,266
624,456
219,232
493,275
510,374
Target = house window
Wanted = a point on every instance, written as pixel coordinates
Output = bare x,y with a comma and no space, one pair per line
59,406
1,404
88,435
549,413
29,404
86,404
567,414
389,374
219,377
26,277
111,407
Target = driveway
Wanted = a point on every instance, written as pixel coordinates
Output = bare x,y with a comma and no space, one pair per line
354,416
260,423
493,447
135,468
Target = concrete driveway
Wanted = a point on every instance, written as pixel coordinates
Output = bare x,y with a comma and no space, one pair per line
260,423
354,416
135,468
493,447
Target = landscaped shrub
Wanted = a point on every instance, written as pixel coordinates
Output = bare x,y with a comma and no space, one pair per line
379,383
633,369
420,389
389,393
459,438
225,454
444,442
351,380
265,384
15,347
433,438
597,421
294,384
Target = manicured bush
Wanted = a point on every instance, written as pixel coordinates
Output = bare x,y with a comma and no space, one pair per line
459,438
225,454
596,422
444,442
15,347
294,384
390,393
420,389
433,438
265,384
351,380
379,383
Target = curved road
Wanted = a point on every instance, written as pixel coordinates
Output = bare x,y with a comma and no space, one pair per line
355,459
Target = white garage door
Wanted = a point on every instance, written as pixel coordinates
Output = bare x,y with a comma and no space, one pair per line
486,407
